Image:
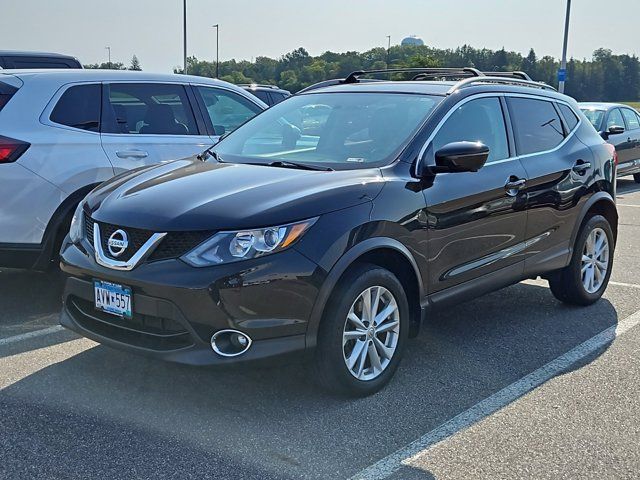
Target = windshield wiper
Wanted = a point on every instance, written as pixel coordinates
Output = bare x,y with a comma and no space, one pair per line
209,153
301,166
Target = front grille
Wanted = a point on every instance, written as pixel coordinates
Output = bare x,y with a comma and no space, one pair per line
176,244
146,331
173,245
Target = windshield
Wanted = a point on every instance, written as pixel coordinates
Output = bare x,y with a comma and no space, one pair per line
594,116
334,130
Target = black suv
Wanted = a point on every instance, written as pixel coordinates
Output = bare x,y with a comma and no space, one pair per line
336,221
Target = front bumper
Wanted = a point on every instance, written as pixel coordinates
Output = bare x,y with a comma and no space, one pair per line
177,308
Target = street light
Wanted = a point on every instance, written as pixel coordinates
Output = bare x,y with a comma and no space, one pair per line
388,48
217,27
184,33
562,73
109,56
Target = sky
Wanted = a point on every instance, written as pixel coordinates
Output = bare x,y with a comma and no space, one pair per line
152,29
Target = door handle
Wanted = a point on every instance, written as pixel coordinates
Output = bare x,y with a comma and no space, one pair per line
581,167
132,154
514,185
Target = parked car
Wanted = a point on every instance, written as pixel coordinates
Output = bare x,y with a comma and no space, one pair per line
62,132
620,126
20,60
269,94
338,241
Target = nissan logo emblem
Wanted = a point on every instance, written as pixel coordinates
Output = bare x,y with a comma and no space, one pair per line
118,243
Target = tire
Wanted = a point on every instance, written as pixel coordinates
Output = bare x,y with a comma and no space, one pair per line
636,177
568,285
334,351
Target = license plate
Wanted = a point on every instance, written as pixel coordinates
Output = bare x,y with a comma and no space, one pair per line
112,298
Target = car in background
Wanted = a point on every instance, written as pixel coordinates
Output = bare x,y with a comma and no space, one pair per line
12,59
269,94
619,125
63,132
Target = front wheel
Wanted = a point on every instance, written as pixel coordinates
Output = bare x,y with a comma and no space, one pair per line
586,278
363,332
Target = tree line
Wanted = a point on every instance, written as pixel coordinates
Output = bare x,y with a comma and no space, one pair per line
604,77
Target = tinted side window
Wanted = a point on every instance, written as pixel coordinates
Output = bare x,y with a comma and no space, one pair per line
479,120
631,118
615,118
262,95
277,97
150,109
536,125
569,116
227,110
79,107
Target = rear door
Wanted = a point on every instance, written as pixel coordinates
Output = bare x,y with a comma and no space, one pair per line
146,123
632,124
558,166
477,220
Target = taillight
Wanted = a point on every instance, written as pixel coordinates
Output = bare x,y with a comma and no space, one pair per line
11,149
614,154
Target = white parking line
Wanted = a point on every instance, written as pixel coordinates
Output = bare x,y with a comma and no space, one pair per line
390,464
25,336
627,205
622,284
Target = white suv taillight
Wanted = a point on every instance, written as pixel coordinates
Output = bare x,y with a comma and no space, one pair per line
11,149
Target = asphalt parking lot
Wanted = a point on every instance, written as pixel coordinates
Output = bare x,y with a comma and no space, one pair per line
70,408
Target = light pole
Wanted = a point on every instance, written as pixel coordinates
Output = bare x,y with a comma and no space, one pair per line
184,35
562,73
217,27
109,56
388,48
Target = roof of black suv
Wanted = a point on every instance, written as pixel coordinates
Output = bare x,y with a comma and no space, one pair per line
438,82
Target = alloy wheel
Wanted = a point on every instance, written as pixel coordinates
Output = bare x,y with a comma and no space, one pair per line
595,260
371,333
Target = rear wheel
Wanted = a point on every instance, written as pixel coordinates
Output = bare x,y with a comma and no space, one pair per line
363,332
586,278
636,177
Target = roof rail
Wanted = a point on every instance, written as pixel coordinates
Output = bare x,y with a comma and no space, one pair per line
256,85
354,77
500,80
515,74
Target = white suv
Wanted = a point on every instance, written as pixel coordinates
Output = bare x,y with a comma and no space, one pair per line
62,132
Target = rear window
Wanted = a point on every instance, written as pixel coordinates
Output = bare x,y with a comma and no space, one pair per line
6,92
631,118
79,107
536,125
569,115
149,109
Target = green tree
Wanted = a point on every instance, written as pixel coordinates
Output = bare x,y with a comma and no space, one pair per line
135,64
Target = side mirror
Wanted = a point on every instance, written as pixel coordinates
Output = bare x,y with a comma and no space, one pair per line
461,157
615,130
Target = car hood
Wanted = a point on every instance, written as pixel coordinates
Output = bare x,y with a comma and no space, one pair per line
194,195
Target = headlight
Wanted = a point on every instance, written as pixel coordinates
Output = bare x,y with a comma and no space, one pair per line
76,231
227,247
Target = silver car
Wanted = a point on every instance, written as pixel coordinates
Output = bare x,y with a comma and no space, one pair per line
62,132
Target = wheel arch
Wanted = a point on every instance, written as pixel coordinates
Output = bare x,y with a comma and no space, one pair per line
385,252
601,203
52,232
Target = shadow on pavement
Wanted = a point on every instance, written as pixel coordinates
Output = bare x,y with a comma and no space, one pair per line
276,420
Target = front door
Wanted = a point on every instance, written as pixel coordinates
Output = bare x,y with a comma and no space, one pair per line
146,123
476,220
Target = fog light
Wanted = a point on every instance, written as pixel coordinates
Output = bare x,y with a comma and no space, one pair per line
230,343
